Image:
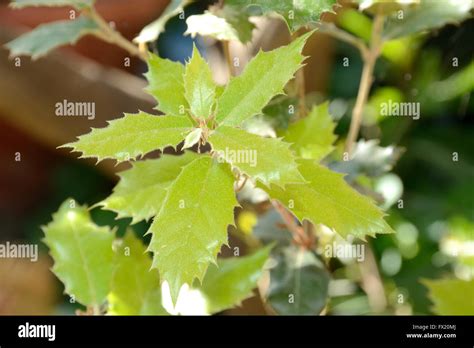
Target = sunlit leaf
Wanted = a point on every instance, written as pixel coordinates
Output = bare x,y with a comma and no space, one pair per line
135,288
141,190
199,87
263,78
82,253
298,283
76,3
166,85
232,280
265,159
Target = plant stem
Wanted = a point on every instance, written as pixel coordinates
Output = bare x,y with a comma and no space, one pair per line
228,57
366,81
110,35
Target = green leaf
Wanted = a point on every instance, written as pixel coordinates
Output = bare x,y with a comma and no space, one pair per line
265,159
192,224
264,77
297,13
329,200
429,14
141,190
225,24
298,283
79,4
135,288
451,296
131,136
153,30
82,253
166,85
312,137
46,37
199,87
232,280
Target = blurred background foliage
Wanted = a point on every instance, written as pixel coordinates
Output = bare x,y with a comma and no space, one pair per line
430,165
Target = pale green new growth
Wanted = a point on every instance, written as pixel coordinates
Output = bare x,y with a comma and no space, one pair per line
165,79
199,87
263,78
264,159
142,189
82,253
232,280
132,136
191,226
135,288
451,296
329,200
46,37
76,3
312,137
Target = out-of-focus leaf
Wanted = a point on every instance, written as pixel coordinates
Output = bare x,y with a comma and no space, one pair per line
297,13
385,6
329,200
369,159
263,78
142,189
166,85
451,296
155,28
227,23
429,14
267,160
82,253
199,87
312,137
135,288
132,136
232,280
191,226
47,37
79,4
298,283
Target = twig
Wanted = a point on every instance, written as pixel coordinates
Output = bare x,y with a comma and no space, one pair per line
365,82
110,35
371,281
